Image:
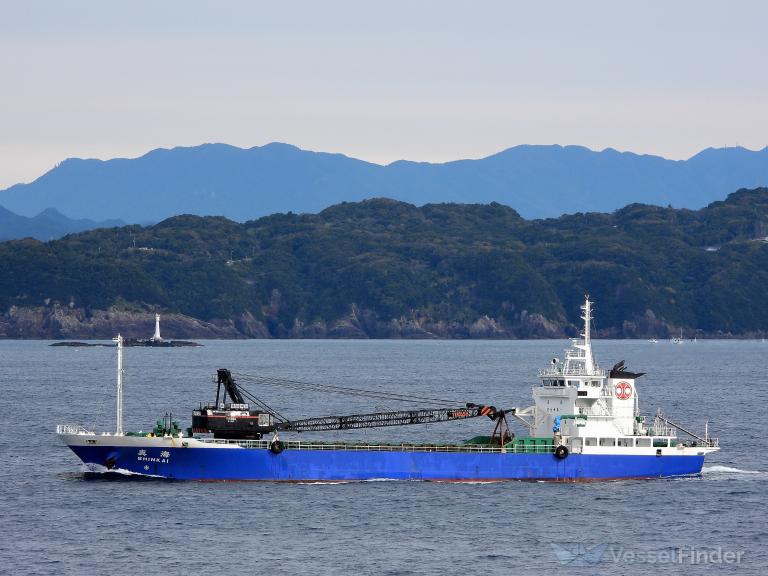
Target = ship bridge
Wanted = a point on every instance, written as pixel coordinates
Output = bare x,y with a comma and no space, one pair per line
577,385
578,370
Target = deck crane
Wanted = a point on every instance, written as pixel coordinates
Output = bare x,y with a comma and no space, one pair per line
247,417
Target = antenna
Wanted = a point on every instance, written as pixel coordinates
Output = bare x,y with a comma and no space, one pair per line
589,363
119,340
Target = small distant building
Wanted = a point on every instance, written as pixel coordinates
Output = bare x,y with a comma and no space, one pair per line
156,337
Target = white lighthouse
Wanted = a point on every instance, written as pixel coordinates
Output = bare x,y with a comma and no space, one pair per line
156,337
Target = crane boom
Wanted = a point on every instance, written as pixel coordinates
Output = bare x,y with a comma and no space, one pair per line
380,419
245,416
224,377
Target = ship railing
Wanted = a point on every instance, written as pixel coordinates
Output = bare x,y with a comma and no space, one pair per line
403,447
72,429
661,428
704,442
576,371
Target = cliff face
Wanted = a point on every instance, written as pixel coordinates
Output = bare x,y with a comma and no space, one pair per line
63,322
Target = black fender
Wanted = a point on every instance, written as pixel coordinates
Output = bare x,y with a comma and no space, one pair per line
276,446
561,452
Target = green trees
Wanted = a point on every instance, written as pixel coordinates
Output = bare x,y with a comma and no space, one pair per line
649,269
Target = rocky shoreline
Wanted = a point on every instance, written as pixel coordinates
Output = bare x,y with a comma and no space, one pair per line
58,322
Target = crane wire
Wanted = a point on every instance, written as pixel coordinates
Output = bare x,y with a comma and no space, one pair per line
329,388
251,397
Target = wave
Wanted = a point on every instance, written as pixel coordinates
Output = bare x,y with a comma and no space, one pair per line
98,469
730,470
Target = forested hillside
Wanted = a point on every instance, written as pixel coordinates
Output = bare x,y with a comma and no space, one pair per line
381,268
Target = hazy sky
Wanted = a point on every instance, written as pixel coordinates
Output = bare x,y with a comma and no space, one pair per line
382,81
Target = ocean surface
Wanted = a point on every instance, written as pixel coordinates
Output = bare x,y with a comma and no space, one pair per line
57,520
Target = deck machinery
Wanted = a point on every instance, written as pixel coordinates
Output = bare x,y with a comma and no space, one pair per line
236,419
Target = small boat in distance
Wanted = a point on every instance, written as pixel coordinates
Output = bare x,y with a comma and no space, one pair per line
676,340
653,340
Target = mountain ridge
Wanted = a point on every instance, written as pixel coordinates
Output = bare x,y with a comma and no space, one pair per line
49,224
245,183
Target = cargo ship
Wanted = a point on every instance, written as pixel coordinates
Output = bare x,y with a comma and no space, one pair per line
584,425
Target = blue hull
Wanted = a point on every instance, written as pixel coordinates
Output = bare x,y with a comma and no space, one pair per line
349,465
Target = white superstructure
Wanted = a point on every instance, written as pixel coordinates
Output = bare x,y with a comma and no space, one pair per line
589,410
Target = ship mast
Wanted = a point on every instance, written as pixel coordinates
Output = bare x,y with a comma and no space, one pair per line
578,358
589,363
119,428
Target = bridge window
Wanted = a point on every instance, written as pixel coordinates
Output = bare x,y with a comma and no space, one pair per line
590,441
643,442
607,442
625,442
660,442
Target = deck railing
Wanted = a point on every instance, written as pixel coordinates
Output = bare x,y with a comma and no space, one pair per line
559,370
457,448
72,429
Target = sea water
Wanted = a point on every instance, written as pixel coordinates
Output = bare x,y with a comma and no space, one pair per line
58,520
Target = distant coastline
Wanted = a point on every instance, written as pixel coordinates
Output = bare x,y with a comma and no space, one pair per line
129,343
347,328
383,269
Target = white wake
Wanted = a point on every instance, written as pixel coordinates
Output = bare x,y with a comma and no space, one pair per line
99,469
730,471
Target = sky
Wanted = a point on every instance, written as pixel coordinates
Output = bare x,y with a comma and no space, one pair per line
380,81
